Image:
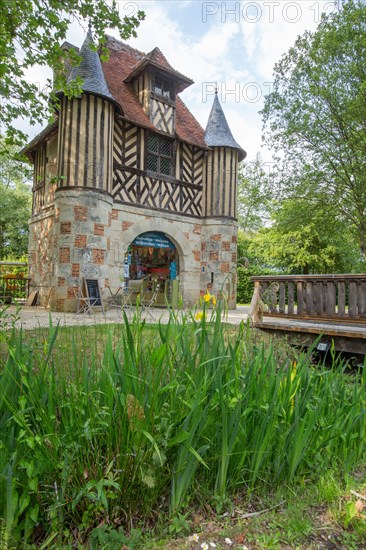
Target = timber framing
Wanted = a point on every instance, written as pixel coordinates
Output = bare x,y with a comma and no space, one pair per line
126,162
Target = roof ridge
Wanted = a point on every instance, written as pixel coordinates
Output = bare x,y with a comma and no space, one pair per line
122,43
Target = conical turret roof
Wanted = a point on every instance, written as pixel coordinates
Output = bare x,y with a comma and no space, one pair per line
90,70
218,133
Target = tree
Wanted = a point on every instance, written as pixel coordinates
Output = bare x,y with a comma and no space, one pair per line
15,200
307,237
254,195
31,33
315,116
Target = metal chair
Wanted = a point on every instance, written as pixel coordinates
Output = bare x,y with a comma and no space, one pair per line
115,298
126,298
147,303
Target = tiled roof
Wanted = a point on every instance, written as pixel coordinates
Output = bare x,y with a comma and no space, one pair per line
157,59
111,80
90,70
218,133
123,61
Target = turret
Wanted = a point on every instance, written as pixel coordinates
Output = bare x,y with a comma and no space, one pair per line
221,165
220,207
83,201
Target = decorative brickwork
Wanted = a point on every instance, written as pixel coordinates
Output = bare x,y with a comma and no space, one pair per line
61,281
75,270
197,229
81,213
114,214
225,267
64,255
72,291
126,225
65,228
214,256
98,256
80,241
226,246
216,237
234,239
99,229
234,257
197,255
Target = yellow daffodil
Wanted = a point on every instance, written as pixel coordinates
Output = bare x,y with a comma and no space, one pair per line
207,297
213,299
199,316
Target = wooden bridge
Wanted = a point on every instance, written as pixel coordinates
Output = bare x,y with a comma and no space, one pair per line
304,307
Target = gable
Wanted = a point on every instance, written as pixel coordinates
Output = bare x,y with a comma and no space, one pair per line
123,60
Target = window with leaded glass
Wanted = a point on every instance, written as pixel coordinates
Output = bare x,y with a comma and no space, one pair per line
159,155
162,87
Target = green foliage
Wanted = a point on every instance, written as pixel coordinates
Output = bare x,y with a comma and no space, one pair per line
91,437
15,210
307,237
39,28
108,538
254,195
315,116
245,286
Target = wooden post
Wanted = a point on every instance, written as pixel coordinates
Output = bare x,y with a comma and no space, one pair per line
352,299
291,297
282,300
300,298
331,298
341,299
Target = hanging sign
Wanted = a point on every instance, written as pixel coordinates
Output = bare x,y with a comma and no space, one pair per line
153,239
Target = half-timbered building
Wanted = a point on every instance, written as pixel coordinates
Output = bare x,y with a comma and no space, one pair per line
128,186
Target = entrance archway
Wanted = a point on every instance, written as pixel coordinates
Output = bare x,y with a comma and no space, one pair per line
152,261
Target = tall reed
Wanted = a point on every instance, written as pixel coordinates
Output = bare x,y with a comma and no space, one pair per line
152,417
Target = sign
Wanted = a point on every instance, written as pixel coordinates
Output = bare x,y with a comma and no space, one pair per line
173,270
153,239
323,346
93,292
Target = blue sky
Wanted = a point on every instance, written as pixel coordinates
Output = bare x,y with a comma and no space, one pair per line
235,44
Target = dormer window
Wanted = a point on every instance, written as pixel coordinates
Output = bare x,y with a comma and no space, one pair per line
163,88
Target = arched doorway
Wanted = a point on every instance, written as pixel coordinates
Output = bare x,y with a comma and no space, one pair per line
152,260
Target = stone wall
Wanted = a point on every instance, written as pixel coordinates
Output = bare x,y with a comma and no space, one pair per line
219,257
185,233
82,230
41,254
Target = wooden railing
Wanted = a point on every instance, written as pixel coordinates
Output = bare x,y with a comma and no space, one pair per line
338,297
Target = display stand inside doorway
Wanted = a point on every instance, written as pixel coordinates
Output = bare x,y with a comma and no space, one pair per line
89,296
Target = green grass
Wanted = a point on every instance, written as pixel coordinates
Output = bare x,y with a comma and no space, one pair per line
107,433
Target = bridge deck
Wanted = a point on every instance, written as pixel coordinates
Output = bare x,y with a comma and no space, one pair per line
349,337
307,307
